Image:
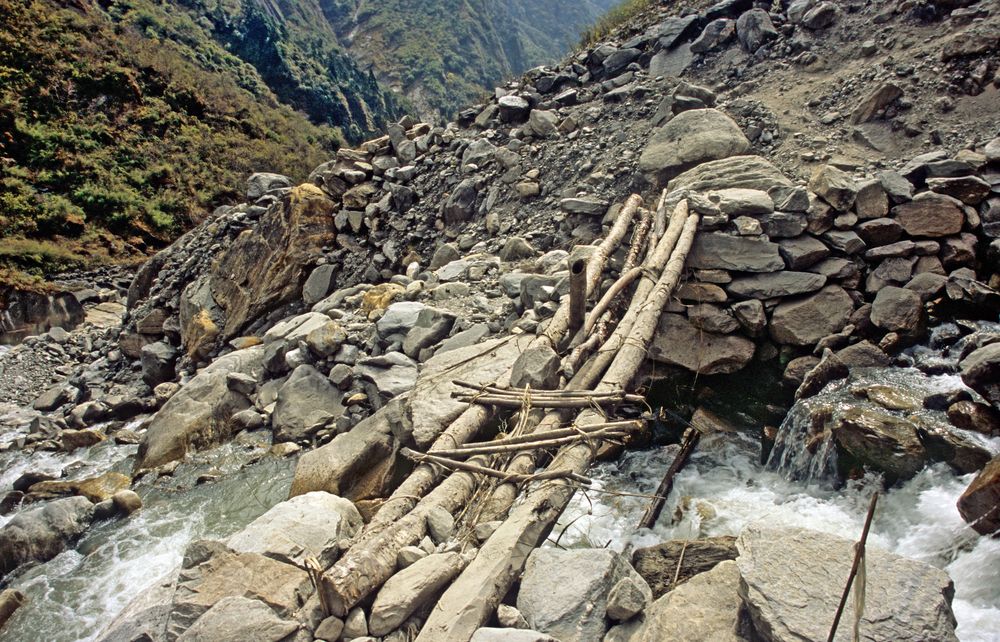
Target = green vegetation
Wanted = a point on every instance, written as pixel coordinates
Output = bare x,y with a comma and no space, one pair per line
442,54
125,122
617,16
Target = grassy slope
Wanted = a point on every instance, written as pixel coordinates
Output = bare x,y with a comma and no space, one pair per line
122,124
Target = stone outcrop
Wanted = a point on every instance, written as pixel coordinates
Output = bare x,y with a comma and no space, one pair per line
39,534
690,138
791,581
200,414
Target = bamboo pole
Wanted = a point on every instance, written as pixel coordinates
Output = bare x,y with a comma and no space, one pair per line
859,554
511,402
555,433
371,558
652,512
473,597
538,444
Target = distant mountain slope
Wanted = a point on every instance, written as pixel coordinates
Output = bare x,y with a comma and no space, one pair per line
122,121
441,54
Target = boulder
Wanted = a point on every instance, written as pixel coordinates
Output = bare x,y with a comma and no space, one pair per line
346,466
930,214
486,363
898,310
461,204
715,34
96,489
399,318
978,504
706,607
264,267
307,401
775,284
792,579
320,283
754,29
584,205
629,597
39,534
158,361
804,321
880,441
309,525
750,172
690,138
802,252
210,572
513,109
678,342
261,183
834,186
980,371
412,588
658,564
871,200
542,123
739,201
739,253
869,108
431,327
200,413
537,368
479,152
393,373
564,593
239,618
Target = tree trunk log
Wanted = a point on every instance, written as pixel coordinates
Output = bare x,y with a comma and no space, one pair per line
474,596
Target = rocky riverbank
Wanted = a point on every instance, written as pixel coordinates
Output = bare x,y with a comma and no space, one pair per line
330,321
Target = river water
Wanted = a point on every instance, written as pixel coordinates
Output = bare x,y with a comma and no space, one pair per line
725,487
78,593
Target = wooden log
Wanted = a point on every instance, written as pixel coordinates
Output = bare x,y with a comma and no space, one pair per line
577,294
625,426
652,512
538,444
509,402
473,597
371,558
492,472
504,495
604,304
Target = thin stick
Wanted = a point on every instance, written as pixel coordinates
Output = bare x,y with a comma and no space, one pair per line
536,393
507,402
656,506
492,472
552,434
680,563
538,444
859,552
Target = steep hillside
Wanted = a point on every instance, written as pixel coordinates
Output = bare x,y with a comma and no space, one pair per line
124,122
442,54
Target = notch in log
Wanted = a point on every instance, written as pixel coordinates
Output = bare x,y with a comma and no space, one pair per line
577,294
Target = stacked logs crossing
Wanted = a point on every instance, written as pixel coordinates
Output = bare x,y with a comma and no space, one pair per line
480,482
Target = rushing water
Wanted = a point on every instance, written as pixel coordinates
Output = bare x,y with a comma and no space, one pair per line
78,593
725,487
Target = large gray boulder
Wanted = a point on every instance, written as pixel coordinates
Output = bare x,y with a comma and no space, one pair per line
750,172
158,360
690,138
239,618
200,413
393,373
742,253
309,525
804,321
792,578
261,183
898,310
930,214
678,342
41,533
564,593
978,503
307,401
486,363
981,371
754,29
706,607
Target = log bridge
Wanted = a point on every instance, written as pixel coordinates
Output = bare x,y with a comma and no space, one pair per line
526,477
